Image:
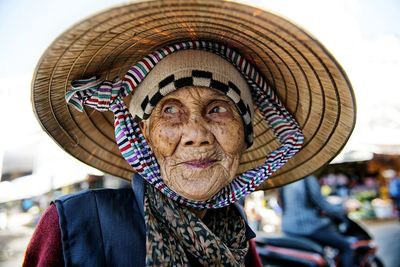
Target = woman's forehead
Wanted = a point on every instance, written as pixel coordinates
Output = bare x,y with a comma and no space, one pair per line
191,93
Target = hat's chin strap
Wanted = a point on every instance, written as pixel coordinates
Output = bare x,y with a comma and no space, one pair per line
106,95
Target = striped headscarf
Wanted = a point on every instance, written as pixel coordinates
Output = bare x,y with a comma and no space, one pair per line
106,95
198,68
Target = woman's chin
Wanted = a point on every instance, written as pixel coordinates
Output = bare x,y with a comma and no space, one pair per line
200,189
196,183
195,196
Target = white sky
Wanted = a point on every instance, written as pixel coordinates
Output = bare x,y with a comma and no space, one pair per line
364,36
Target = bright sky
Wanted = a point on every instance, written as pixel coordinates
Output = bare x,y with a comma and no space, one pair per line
27,28
364,35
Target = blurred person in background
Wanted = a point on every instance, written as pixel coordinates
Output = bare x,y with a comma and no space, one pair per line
394,191
306,214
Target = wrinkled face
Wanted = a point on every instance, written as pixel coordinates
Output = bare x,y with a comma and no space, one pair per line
197,136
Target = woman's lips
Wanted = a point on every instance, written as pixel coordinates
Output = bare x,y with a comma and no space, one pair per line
201,164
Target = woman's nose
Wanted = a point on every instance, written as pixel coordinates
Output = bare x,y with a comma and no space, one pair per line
195,133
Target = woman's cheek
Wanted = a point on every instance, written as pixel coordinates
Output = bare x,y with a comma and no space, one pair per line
164,139
230,136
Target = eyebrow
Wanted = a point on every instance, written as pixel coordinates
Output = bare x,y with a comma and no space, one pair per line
222,98
172,99
218,97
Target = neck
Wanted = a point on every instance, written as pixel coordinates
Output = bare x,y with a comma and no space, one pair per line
199,213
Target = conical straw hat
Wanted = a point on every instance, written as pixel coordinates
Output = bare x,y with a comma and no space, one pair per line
308,80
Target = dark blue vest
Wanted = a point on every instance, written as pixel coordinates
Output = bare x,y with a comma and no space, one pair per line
105,227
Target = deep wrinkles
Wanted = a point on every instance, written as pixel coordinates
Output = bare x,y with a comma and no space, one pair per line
170,151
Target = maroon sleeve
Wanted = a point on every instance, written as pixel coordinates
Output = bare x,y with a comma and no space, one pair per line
253,259
45,249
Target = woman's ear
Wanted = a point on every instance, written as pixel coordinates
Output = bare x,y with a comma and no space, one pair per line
244,147
144,127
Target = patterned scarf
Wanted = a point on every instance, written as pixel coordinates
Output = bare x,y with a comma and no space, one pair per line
104,95
173,231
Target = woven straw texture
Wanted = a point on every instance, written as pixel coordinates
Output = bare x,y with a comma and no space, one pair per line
308,80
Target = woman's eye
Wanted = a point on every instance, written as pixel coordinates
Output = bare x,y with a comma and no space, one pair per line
171,110
218,109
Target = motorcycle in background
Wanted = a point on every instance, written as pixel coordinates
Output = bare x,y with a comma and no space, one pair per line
294,251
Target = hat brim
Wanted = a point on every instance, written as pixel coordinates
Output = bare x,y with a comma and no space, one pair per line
307,78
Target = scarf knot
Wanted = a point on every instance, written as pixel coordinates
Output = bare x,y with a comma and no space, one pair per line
94,92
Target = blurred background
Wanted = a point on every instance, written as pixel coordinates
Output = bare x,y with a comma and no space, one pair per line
363,35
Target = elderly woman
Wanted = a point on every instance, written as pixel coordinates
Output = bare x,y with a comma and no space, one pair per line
196,120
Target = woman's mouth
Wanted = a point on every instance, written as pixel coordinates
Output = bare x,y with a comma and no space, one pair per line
200,164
